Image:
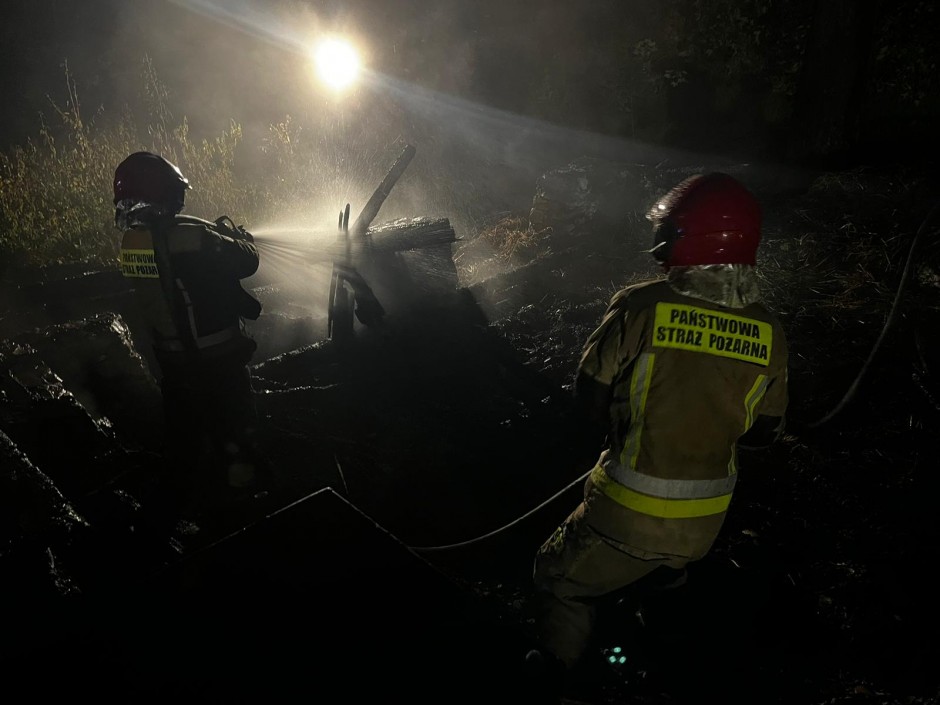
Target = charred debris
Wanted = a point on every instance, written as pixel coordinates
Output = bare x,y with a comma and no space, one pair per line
383,418
427,406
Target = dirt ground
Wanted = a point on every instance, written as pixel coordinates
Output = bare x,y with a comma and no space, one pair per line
451,427
817,590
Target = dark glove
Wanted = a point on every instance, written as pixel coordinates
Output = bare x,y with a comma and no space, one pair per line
236,232
764,432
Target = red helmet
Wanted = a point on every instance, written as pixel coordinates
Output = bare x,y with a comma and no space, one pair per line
149,178
706,219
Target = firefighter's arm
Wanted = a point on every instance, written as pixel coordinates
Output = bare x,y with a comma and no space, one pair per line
234,257
592,401
608,354
237,257
770,423
765,431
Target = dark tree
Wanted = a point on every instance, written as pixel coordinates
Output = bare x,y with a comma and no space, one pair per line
832,93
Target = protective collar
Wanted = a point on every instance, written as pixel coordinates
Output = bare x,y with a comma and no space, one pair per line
730,285
131,214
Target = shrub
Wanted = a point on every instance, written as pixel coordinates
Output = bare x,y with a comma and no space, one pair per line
56,190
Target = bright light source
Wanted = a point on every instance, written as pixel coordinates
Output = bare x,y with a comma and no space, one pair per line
337,63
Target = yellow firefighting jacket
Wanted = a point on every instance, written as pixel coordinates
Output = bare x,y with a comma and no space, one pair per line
200,308
687,378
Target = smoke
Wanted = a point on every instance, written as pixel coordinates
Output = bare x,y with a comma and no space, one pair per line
248,61
221,61
435,73
451,78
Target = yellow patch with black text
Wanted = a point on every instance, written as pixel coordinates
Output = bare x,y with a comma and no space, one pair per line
139,264
712,332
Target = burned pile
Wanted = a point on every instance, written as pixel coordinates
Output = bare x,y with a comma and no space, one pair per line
407,441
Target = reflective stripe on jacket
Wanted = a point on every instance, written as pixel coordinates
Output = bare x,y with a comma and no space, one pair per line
687,378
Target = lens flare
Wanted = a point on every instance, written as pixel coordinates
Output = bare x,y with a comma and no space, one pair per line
337,63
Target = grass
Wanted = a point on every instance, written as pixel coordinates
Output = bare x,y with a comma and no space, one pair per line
842,250
512,239
56,189
500,246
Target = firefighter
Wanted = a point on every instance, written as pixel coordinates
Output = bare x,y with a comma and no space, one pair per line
680,372
185,273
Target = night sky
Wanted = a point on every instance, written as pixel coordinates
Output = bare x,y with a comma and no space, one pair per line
741,79
515,88
246,62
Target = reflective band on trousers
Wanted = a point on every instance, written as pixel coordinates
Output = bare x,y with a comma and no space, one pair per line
658,497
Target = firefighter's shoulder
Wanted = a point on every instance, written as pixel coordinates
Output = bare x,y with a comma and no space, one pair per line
185,236
641,294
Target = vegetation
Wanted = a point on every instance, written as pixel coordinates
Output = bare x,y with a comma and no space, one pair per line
56,190
774,78
758,76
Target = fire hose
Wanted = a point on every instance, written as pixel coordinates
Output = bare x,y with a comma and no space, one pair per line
573,483
889,322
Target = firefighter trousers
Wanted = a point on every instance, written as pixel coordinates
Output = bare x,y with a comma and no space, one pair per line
573,569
